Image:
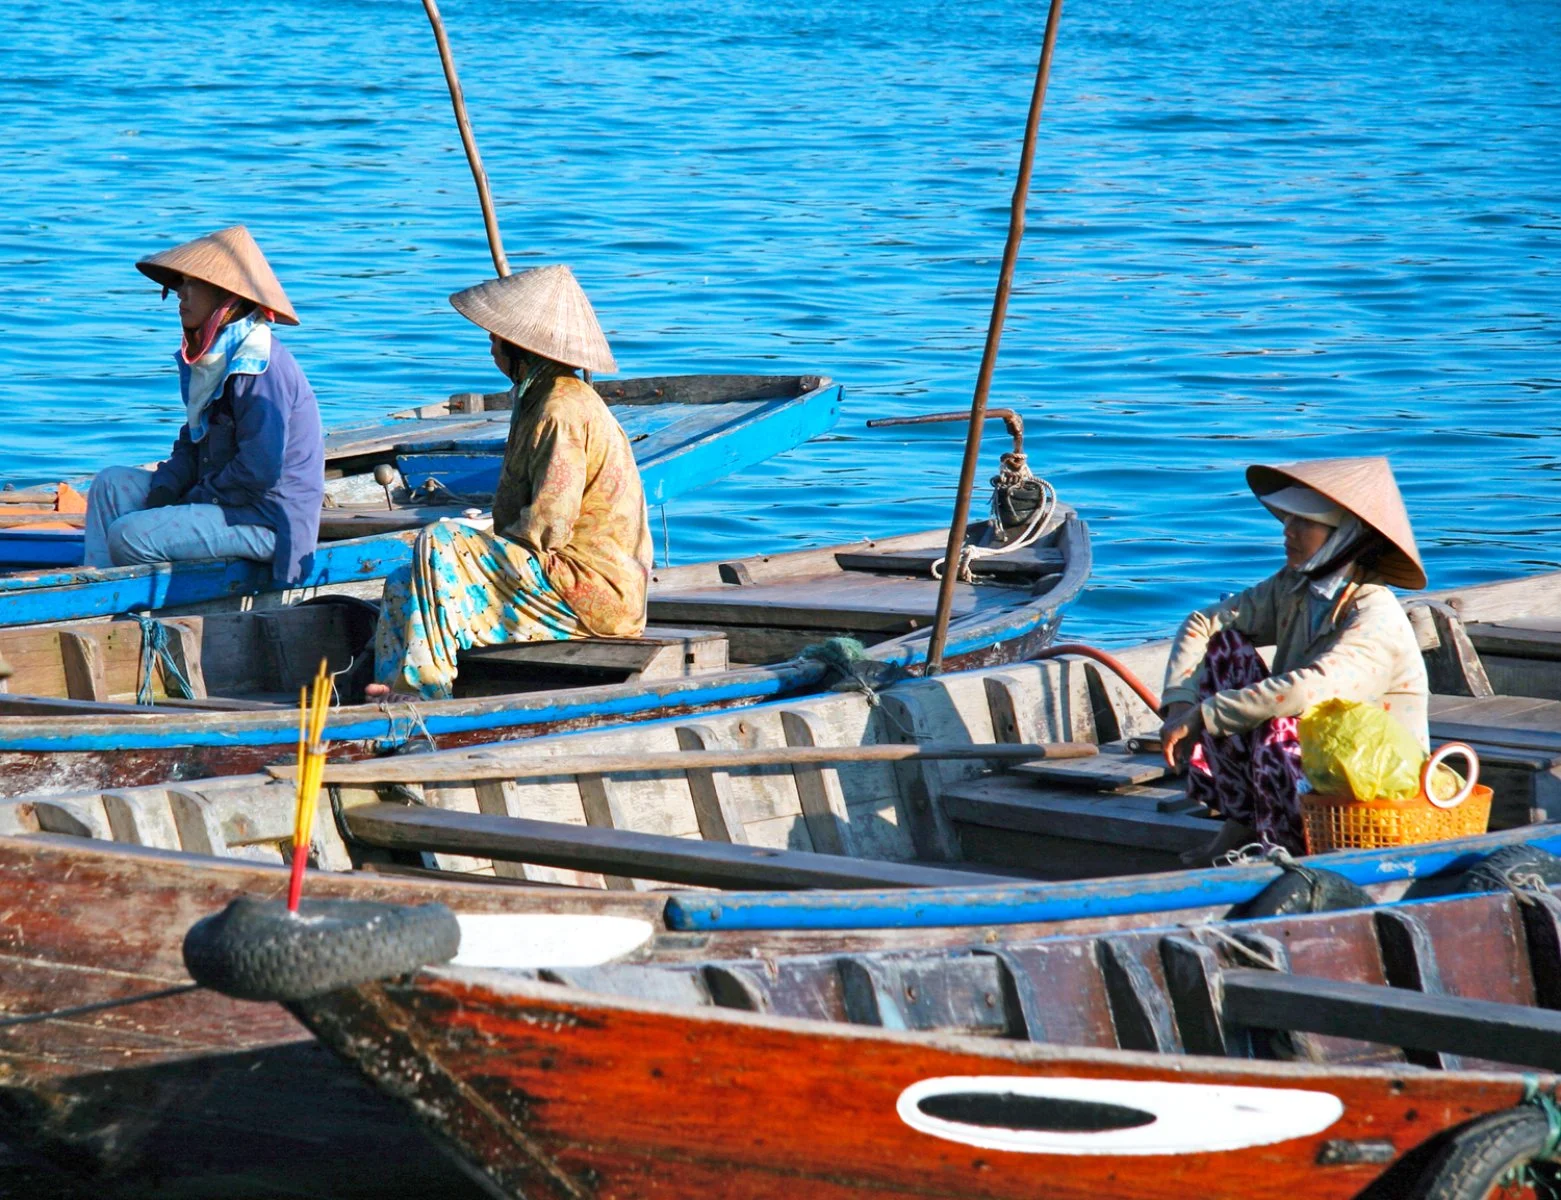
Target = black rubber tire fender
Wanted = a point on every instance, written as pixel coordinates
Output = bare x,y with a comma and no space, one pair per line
1471,1165
1489,874
257,950
1307,891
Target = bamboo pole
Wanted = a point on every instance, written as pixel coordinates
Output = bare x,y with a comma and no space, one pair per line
463,766
484,197
994,335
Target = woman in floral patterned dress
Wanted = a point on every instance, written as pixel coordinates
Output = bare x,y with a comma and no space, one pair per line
568,554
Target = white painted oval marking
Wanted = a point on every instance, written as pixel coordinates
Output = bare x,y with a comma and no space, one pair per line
517,941
1187,1118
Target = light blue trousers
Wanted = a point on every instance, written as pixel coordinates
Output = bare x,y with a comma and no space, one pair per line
122,531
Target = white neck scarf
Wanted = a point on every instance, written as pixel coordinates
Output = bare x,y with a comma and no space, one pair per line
242,348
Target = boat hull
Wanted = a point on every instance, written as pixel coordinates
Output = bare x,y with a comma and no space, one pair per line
92,753
556,1094
193,1094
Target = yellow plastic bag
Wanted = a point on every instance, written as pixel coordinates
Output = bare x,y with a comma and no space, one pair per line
1350,748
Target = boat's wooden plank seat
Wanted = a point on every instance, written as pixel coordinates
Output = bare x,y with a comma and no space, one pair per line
1511,1033
661,652
1060,833
826,601
641,855
1518,637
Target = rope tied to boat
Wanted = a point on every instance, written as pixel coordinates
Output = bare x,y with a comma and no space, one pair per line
1546,1103
393,740
154,650
857,671
1236,944
1014,490
81,1010
1526,885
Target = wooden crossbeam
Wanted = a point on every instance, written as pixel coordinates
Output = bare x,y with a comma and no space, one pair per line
465,765
1509,1033
635,855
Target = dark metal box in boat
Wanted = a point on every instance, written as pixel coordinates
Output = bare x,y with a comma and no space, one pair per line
722,634
686,431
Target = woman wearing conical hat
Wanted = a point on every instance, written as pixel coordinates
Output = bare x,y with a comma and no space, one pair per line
247,474
1337,632
569,553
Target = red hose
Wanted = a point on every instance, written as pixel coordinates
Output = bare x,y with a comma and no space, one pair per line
1105,660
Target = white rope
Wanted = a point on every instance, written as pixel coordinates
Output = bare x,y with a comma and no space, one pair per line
969,555
1198,927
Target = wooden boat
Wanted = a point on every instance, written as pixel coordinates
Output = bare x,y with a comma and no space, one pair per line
618,804
442,460
722,634
194,1094
1375,1052
188,1093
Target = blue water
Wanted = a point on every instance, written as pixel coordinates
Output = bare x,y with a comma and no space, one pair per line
1257,232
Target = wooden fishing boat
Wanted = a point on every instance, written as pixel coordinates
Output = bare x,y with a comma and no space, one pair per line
721,634
1085,818
160,1092
1376,1052
442,460
186,1093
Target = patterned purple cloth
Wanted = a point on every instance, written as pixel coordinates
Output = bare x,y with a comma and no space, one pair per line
1251,777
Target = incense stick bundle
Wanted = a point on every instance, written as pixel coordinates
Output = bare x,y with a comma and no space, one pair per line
312,711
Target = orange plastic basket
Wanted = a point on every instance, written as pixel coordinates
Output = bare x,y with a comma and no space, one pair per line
1345,823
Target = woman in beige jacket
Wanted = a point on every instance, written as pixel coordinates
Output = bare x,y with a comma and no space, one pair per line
1336,630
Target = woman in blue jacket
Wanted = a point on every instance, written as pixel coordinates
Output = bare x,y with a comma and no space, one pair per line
247,476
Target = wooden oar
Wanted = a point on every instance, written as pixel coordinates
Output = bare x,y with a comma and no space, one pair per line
501,764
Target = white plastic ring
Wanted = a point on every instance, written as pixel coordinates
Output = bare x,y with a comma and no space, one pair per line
1435,761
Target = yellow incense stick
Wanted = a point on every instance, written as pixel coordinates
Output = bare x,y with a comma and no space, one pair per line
313,708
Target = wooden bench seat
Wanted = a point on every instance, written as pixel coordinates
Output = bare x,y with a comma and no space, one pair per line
659,653
637,855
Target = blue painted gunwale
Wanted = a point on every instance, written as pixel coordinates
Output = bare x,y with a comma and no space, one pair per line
38,548
669,467
671,464
175,728
1026,903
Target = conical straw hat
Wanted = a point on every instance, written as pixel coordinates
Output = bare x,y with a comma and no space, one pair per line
1366,487
542,310
228,259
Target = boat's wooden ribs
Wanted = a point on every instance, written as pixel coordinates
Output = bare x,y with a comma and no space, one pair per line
1460,965
1409,962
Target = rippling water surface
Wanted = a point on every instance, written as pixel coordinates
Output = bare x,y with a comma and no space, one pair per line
1257,232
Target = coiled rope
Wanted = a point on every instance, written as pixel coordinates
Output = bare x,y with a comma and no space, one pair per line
154,650
1013,476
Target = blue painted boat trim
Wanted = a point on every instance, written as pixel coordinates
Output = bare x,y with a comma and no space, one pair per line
265,730
920,908
23,547
33,597
169,731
